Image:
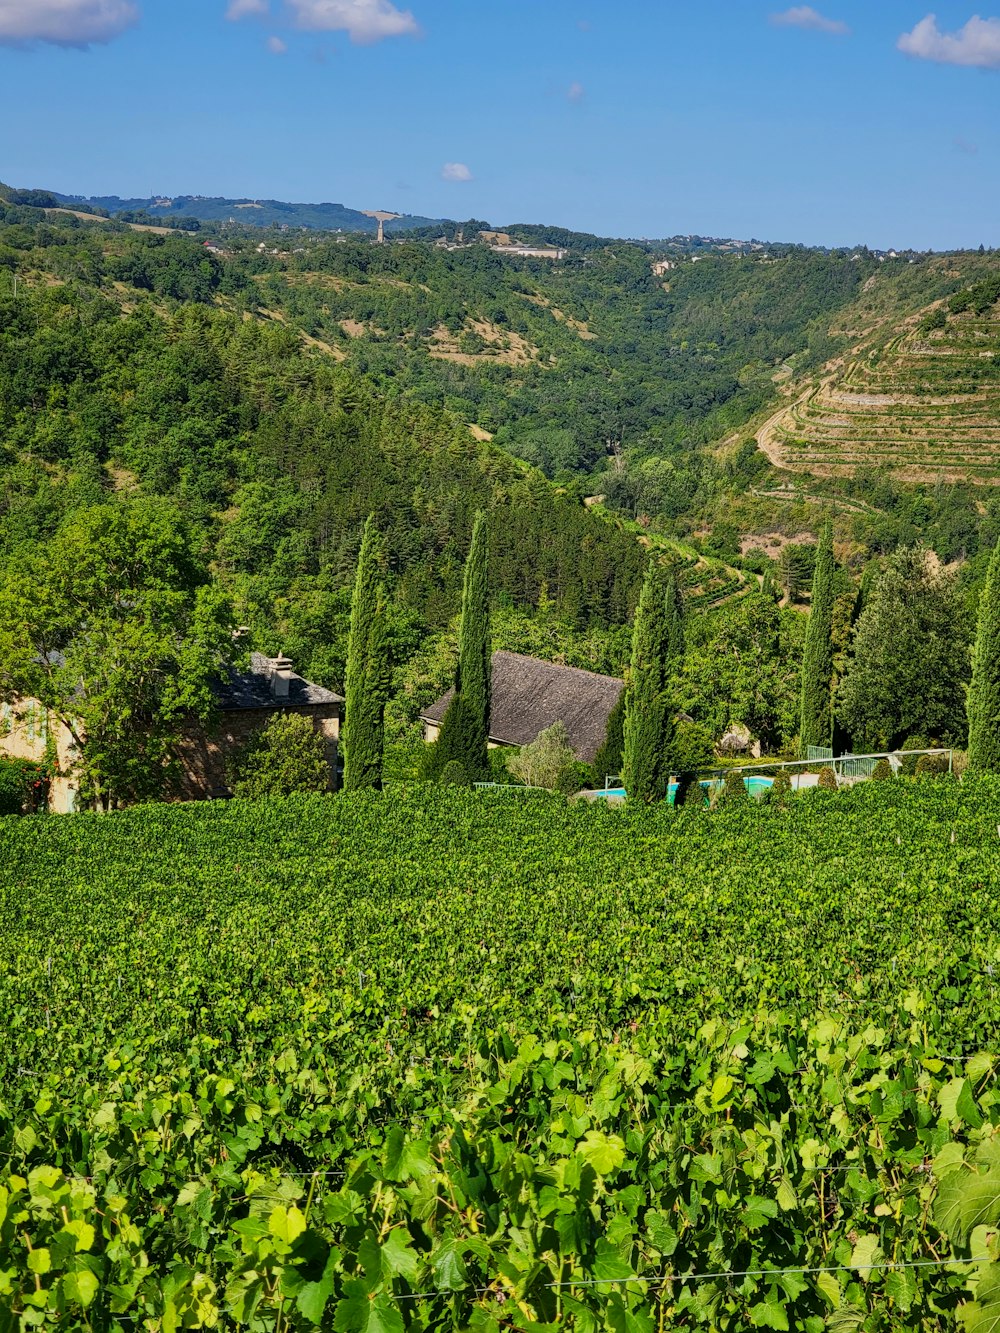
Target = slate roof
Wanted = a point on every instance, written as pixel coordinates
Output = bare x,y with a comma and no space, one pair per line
528,695
252,689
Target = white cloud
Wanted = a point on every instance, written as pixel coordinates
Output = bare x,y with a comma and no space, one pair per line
363,20
977,44
576,92
804,16
64,22
455,171
276,46
242,9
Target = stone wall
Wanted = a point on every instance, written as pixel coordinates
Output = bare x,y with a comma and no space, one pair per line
204,755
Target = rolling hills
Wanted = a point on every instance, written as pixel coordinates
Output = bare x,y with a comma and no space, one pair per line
921,400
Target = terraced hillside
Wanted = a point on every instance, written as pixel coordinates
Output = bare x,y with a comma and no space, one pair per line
923,402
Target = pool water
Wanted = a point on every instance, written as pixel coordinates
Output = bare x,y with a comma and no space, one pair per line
755,785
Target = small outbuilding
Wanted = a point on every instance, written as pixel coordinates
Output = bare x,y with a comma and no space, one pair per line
529,695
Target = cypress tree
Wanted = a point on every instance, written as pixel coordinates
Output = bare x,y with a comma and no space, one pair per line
465,729
816,716
984,691
648,726
608,760
369,671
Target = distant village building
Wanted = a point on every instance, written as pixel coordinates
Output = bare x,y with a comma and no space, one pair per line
246,701
529,695
662,266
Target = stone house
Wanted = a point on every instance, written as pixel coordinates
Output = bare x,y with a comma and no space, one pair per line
527,695
246,700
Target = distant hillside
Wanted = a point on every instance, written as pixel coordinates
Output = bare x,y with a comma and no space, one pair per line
249,212
918,392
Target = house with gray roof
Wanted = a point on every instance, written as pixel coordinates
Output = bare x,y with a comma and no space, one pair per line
246,700
528,695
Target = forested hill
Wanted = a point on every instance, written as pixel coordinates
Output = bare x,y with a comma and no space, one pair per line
121,377
639,373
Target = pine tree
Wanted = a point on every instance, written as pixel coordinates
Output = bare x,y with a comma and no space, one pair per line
369,671
984,691
648,714
816,716
465,729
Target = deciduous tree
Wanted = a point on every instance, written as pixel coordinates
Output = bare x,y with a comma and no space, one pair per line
909,658
115,627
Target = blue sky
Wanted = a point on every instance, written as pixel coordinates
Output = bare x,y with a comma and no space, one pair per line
849,121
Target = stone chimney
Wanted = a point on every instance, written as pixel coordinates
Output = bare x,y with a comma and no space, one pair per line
281,675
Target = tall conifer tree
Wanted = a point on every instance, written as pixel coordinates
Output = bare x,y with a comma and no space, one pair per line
465,730
984,691
369,671
657,635
816,710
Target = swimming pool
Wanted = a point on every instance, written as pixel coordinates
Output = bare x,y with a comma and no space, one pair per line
754,784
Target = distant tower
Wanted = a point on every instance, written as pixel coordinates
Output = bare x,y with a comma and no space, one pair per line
382,219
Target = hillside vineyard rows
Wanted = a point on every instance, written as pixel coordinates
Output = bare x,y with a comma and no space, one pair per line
436,1060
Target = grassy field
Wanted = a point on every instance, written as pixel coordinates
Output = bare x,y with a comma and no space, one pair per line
441,1060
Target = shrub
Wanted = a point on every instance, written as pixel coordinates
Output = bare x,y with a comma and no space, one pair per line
781,788
687,789
828,780
932,765
734,791
286,756
882,770
575,777
542,763
454,775
17,784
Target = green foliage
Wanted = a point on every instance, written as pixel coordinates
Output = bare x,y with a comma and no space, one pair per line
931,765
828,780
610,757
546,760
691,747
816,725
733,791
649,711
742,667
781,787
454,775
465,728
575,777
285,757
114,626
983,703
909,658
21,780
305,1059
369,671
882,771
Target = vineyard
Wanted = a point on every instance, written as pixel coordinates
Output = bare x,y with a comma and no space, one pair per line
429,1060
925,404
